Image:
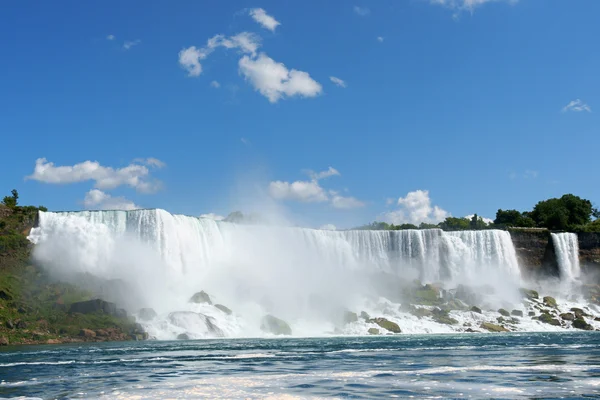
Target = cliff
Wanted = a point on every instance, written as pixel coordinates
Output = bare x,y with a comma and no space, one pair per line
535,252
589,251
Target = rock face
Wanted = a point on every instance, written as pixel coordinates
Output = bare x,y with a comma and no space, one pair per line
275,325
365,316
535,252
87,333
589,251
201,298
3,341
387,324
226,310
147,314
93,306
493,327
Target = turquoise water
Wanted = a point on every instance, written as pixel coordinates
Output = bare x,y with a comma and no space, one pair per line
524,365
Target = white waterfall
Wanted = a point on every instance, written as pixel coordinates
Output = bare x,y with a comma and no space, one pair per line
566,247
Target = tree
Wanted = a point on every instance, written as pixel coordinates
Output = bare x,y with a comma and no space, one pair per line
455,224
513,218
11,201
596,213
563,213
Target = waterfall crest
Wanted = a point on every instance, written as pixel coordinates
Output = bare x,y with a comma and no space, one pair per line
566,246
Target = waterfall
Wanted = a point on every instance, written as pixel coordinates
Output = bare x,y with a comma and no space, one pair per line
566,246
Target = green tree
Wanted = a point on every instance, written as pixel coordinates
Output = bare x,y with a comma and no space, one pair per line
11,201
513,218
455,224
563,213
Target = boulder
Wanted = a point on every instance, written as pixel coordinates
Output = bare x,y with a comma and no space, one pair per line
21,324
503,312
9,324
4,341
547,319
87,333
373,331
455,304
147,314
516,313
224,309
531,313
493,327
421,312
365,316
442,317
530,294
580,323
275,325
93,306
350,317
568,316
121,313
476,310
550,301
386,324
579,312
183,336
192,321
201,298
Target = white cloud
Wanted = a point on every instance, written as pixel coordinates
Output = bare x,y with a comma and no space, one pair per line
345,203
328,227
380,39
215,84
130,43
303,191
98,200
577,106
484,219
362,11
264,19
134,175
245,141
110,37
528,174
151,162
213,216
338,81
415,208
468,5
323,174
274,81
190,58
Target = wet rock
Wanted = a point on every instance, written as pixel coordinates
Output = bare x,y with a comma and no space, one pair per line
550,301
9,324
421,312
568,316
53,341
373,331
93,306
192,321
224,309
183,336
4,341
516,313
503,312
441,317
547,319
350,317
87,333
579,313
386,324
529,293
275,325
470,330
365,316
201,298
476,310
147,314
493,327
580,323
531,313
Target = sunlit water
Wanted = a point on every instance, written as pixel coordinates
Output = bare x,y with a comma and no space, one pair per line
524,365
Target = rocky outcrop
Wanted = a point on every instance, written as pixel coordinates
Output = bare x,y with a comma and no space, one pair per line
350,317
201,298
147,314
93,306
589,251
275,326
535,252
488,326
373,331
386,324
224,309
190,320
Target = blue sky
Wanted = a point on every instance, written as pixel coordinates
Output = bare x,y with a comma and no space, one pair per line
397,107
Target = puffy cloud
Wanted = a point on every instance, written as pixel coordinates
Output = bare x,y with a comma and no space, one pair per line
190,58
345,203
303,191
213,216
337,81
151,162
274,81
362,11
130,43
264,19
328,227
215,84
134,175
97,199
415,208
576,106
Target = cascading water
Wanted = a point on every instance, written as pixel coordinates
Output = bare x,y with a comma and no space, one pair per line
300,274
566,247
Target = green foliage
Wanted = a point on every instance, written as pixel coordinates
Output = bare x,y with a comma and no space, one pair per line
562,214
514,218
455,224
11,201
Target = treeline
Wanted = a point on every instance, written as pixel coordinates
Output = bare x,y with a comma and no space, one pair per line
14,221
567,213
